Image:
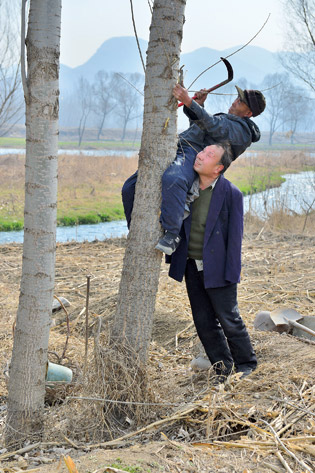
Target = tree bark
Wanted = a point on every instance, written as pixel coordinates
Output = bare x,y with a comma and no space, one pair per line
29,356
133,320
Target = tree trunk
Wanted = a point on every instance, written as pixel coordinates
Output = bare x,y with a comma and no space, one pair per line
122,138
100,128
140,276
81,129
29,356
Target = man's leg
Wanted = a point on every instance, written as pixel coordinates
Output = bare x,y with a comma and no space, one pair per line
207,325
176,182
224,302
128,195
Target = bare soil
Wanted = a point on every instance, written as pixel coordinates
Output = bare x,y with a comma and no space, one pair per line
262,423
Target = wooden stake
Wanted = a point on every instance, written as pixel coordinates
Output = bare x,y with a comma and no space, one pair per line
88,278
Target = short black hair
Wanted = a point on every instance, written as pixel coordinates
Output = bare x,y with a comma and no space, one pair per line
227,157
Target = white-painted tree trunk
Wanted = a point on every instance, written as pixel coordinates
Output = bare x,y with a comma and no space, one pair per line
29,357
139,283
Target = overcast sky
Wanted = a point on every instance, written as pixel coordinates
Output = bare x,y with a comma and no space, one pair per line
220,24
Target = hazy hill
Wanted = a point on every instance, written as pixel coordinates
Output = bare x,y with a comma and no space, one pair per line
120,54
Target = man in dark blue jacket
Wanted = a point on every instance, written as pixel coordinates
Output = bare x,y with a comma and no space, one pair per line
209,255
205,129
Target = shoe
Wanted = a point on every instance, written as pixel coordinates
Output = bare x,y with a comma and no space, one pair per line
168,243
218,379
245,372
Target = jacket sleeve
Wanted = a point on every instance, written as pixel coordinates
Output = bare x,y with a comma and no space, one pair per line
219,126
235,236
193,118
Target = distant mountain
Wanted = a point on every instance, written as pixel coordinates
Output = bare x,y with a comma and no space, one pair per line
251,63
121,54
116,55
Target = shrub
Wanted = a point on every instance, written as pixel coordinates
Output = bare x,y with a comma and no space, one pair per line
67,221
88,219
11,226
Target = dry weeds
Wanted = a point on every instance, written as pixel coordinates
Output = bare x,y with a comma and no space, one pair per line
187,424
92,184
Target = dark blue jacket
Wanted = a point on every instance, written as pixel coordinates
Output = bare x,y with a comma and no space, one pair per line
206,129
222,241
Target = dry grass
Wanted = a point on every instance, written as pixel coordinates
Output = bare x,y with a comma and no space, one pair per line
234,428
92,184
86,184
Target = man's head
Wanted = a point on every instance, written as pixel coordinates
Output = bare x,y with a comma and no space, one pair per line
249,103
213,160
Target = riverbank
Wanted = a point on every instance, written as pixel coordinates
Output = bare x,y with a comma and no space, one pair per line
89,187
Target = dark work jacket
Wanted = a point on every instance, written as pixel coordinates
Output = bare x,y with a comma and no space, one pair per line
222,241
206,129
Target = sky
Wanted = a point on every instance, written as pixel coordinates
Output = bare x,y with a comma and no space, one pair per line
86,24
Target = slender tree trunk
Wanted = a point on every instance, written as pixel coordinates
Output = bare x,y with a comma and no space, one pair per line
81,129
29,356
100,128
138,287
122,138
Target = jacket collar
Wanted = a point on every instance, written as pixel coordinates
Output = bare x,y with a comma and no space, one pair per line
215,206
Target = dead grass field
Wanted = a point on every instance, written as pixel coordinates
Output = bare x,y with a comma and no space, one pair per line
91,185
86,185
259,424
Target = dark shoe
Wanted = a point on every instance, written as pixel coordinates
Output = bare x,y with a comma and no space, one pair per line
218,379
168,243
245,372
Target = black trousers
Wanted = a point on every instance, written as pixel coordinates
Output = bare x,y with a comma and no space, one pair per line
219,324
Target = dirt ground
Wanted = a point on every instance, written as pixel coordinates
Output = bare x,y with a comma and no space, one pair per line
263,423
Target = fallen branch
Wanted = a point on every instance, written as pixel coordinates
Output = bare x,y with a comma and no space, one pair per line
177,416
277,438
20,451
272,467
284,463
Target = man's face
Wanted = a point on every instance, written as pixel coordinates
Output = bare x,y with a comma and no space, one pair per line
207,162
240,109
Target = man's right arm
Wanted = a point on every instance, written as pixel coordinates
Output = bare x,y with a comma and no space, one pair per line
196,113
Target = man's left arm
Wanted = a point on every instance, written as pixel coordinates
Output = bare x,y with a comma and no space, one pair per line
235,236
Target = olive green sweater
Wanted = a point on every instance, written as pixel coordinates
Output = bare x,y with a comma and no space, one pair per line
199,209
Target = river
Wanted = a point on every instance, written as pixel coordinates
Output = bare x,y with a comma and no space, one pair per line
296,194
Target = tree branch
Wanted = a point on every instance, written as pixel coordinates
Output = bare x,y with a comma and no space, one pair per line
23,68
232,54
136,35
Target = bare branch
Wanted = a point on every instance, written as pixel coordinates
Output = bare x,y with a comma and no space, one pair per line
136,35
23,65
232,54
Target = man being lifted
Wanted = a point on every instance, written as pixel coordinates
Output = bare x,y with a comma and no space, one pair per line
205,129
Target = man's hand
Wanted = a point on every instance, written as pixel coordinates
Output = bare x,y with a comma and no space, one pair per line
201,96
181,94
